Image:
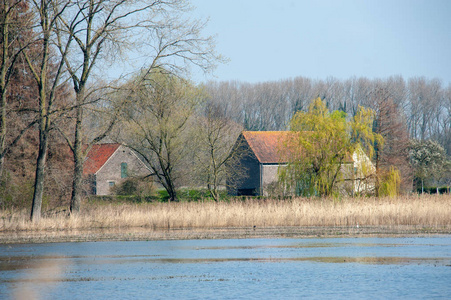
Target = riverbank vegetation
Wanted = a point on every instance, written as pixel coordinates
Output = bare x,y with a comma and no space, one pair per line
431,211
57,102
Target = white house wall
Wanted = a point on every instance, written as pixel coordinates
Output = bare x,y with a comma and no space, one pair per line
363,169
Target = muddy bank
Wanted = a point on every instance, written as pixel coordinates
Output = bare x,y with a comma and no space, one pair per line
144,234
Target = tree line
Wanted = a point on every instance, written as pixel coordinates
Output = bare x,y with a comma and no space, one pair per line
424,104
412,116
52,58
56,101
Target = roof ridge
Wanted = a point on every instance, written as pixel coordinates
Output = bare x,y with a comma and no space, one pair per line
265,131
106,144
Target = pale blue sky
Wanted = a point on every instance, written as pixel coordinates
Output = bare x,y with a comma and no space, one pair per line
273,40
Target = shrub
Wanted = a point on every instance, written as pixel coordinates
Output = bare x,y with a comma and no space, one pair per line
162,195
434,189
15,193
444,190
134,186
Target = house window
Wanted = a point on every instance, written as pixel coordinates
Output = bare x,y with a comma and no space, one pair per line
111,183
124,171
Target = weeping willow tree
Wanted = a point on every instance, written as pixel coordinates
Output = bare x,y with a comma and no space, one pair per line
320,144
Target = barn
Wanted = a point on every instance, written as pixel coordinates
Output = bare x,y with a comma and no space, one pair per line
262,156
109,164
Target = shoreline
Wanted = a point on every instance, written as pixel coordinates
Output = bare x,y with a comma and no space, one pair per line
148,234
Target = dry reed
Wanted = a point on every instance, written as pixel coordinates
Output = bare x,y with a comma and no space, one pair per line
428,210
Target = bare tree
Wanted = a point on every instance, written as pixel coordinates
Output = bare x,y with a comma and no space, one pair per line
424,98
15,30
446,121
390,124
215,139
103,27
155,124
270,105
299,94
47,12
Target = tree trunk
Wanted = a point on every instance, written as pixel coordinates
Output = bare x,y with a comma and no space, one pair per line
77,180
1,174
376,184
39,179
172,193
169,186
43,147
2,131
2,161
422,186
4,69
77,184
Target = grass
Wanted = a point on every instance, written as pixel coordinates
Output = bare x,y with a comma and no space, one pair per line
429,211
184,194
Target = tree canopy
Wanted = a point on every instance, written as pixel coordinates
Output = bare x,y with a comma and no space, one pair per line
155,123
319,146
428,160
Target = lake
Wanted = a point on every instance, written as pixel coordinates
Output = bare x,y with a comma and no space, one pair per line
317,268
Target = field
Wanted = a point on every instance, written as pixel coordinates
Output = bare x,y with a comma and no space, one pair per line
431,211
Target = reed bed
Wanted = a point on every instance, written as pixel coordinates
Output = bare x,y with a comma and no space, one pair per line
427,210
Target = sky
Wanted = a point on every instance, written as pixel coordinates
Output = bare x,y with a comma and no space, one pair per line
267,40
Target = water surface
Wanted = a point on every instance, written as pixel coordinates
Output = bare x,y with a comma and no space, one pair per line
338,268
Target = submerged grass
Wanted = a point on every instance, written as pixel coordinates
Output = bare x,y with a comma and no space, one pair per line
427,211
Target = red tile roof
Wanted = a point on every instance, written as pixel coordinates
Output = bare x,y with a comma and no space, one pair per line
97,157
266,145
270,146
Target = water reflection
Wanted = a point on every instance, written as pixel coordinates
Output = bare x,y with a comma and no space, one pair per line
345,268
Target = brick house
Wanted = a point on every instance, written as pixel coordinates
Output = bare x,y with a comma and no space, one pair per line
262,157
107,165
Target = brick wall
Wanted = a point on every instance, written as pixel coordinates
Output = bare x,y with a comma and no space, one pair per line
111,170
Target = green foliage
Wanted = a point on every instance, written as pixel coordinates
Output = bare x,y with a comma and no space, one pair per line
163,195
434,190
305,186
189,195
156,121
389,185
362,131
128,187
319,143
121,199
186,195
134,186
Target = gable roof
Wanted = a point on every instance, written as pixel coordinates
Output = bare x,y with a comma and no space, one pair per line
266,145
98,156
